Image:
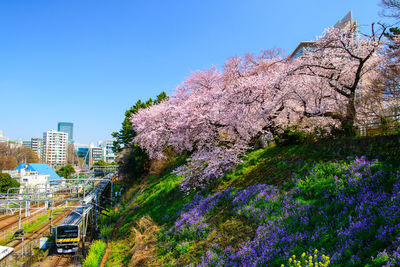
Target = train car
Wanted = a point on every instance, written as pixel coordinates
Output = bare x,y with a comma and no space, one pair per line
67,234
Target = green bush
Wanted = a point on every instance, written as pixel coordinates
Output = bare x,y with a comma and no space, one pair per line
106,231
96,251
322,181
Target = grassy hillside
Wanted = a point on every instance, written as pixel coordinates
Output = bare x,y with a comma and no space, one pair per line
334,201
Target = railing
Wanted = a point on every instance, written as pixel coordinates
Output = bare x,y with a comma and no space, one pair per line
380,126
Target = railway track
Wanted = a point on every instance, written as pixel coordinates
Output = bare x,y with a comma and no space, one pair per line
17,244
6,216
9,224
63,260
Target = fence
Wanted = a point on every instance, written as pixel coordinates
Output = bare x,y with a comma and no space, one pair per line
380,126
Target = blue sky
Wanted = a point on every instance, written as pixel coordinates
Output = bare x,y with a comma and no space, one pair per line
86,62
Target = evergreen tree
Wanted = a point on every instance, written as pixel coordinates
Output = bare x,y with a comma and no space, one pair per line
6,182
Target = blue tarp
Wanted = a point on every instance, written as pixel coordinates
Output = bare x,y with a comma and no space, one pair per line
40,168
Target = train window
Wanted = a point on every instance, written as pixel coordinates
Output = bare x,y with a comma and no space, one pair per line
67,232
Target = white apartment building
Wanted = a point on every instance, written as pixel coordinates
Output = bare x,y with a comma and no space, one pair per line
55,148
37,146
108,153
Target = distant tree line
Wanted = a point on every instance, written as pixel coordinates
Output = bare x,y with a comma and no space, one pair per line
13,154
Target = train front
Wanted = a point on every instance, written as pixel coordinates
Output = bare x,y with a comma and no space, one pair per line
67,238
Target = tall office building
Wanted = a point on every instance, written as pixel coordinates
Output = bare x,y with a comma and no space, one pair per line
55,148
67,127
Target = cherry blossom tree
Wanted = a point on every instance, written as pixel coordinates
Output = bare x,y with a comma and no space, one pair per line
333,74
215,115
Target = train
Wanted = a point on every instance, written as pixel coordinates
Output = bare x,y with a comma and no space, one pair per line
68,232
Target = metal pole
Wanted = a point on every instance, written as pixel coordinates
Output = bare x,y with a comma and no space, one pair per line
23,244
19,217
51,215
112,184
27,213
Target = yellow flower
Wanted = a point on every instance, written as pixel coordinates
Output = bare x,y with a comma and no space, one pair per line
290,260
282,265
316,251
294,256
303,255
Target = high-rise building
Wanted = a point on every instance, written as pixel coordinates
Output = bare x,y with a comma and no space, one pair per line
55,147
346,23
37,146
67,127
108,153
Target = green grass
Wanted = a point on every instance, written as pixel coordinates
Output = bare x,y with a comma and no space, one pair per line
8,238
276,164
32,226
119,254
96,252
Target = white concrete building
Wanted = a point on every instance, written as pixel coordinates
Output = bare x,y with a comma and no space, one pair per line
95,154
30,179
108,153
55,148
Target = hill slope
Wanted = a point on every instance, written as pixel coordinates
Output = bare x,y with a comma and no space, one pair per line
336,201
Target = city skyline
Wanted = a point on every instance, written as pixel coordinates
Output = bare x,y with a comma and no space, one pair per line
22,140
90,69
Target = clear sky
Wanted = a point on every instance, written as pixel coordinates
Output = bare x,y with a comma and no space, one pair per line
87,61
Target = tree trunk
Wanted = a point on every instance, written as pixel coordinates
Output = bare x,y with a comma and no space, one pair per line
347,123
